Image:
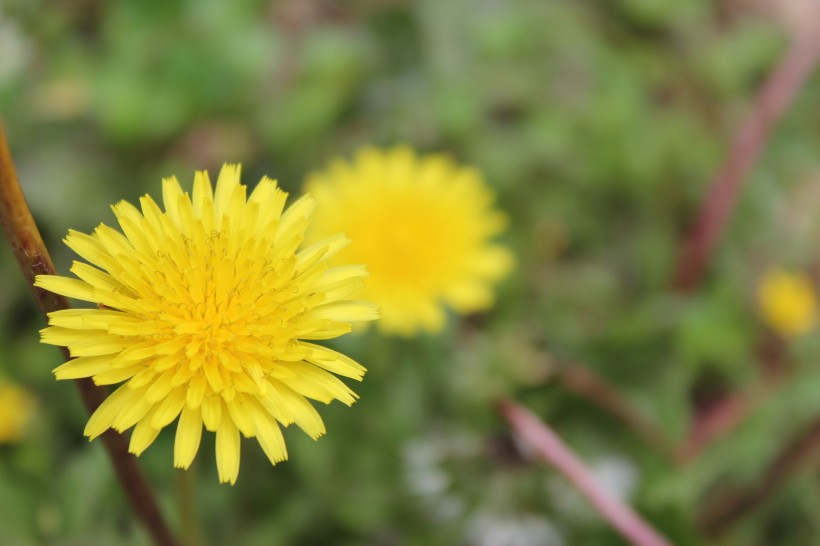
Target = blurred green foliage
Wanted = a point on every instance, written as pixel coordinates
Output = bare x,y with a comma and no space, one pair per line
599,124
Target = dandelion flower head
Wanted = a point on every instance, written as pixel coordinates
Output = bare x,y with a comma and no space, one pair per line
204,312
16,407
787,302
423,227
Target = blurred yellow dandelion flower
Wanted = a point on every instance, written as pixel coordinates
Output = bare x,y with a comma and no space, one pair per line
422,225
16,407
203,312
787,302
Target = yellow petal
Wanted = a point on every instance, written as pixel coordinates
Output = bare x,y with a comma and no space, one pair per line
320,329
268,434
196,392
344,311
161,386
57,335
114,242
84,366
189,433
132,413
227,451
239,411
142,437
270,199
212,412
291,218
89,319
131,222
70,288
171,192
314,382
335,362
168,409
229,197
203,196
95,277
304,414
117,375
103,418
327,247
211,369
337,276
85,245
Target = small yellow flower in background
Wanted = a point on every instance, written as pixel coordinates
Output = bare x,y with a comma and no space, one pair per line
422,225
16,407
787,302
203,309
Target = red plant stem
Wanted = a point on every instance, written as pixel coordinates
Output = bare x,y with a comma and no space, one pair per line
718,421
553,450
32,256
729,412
580,380
719,418
801,452
774,98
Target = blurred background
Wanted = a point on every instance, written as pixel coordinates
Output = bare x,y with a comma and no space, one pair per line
599,124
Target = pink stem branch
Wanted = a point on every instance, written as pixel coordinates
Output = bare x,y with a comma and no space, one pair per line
553,450
772,101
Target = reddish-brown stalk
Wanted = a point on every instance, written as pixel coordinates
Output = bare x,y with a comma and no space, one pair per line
554,451
32,256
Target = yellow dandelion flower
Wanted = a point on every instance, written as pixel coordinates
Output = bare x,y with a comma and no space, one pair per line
422,225
204,310
787,302
16,407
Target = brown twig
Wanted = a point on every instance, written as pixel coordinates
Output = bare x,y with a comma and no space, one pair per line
581,381
725,510
709,425
772,101
553,450
32,256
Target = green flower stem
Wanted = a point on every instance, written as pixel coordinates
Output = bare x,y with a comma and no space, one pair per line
549,446
186,493
32,256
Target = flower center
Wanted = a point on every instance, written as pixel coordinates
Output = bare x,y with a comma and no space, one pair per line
411,244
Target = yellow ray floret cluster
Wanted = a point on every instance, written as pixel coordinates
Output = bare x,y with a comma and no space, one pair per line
203,313
787,302
422,225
